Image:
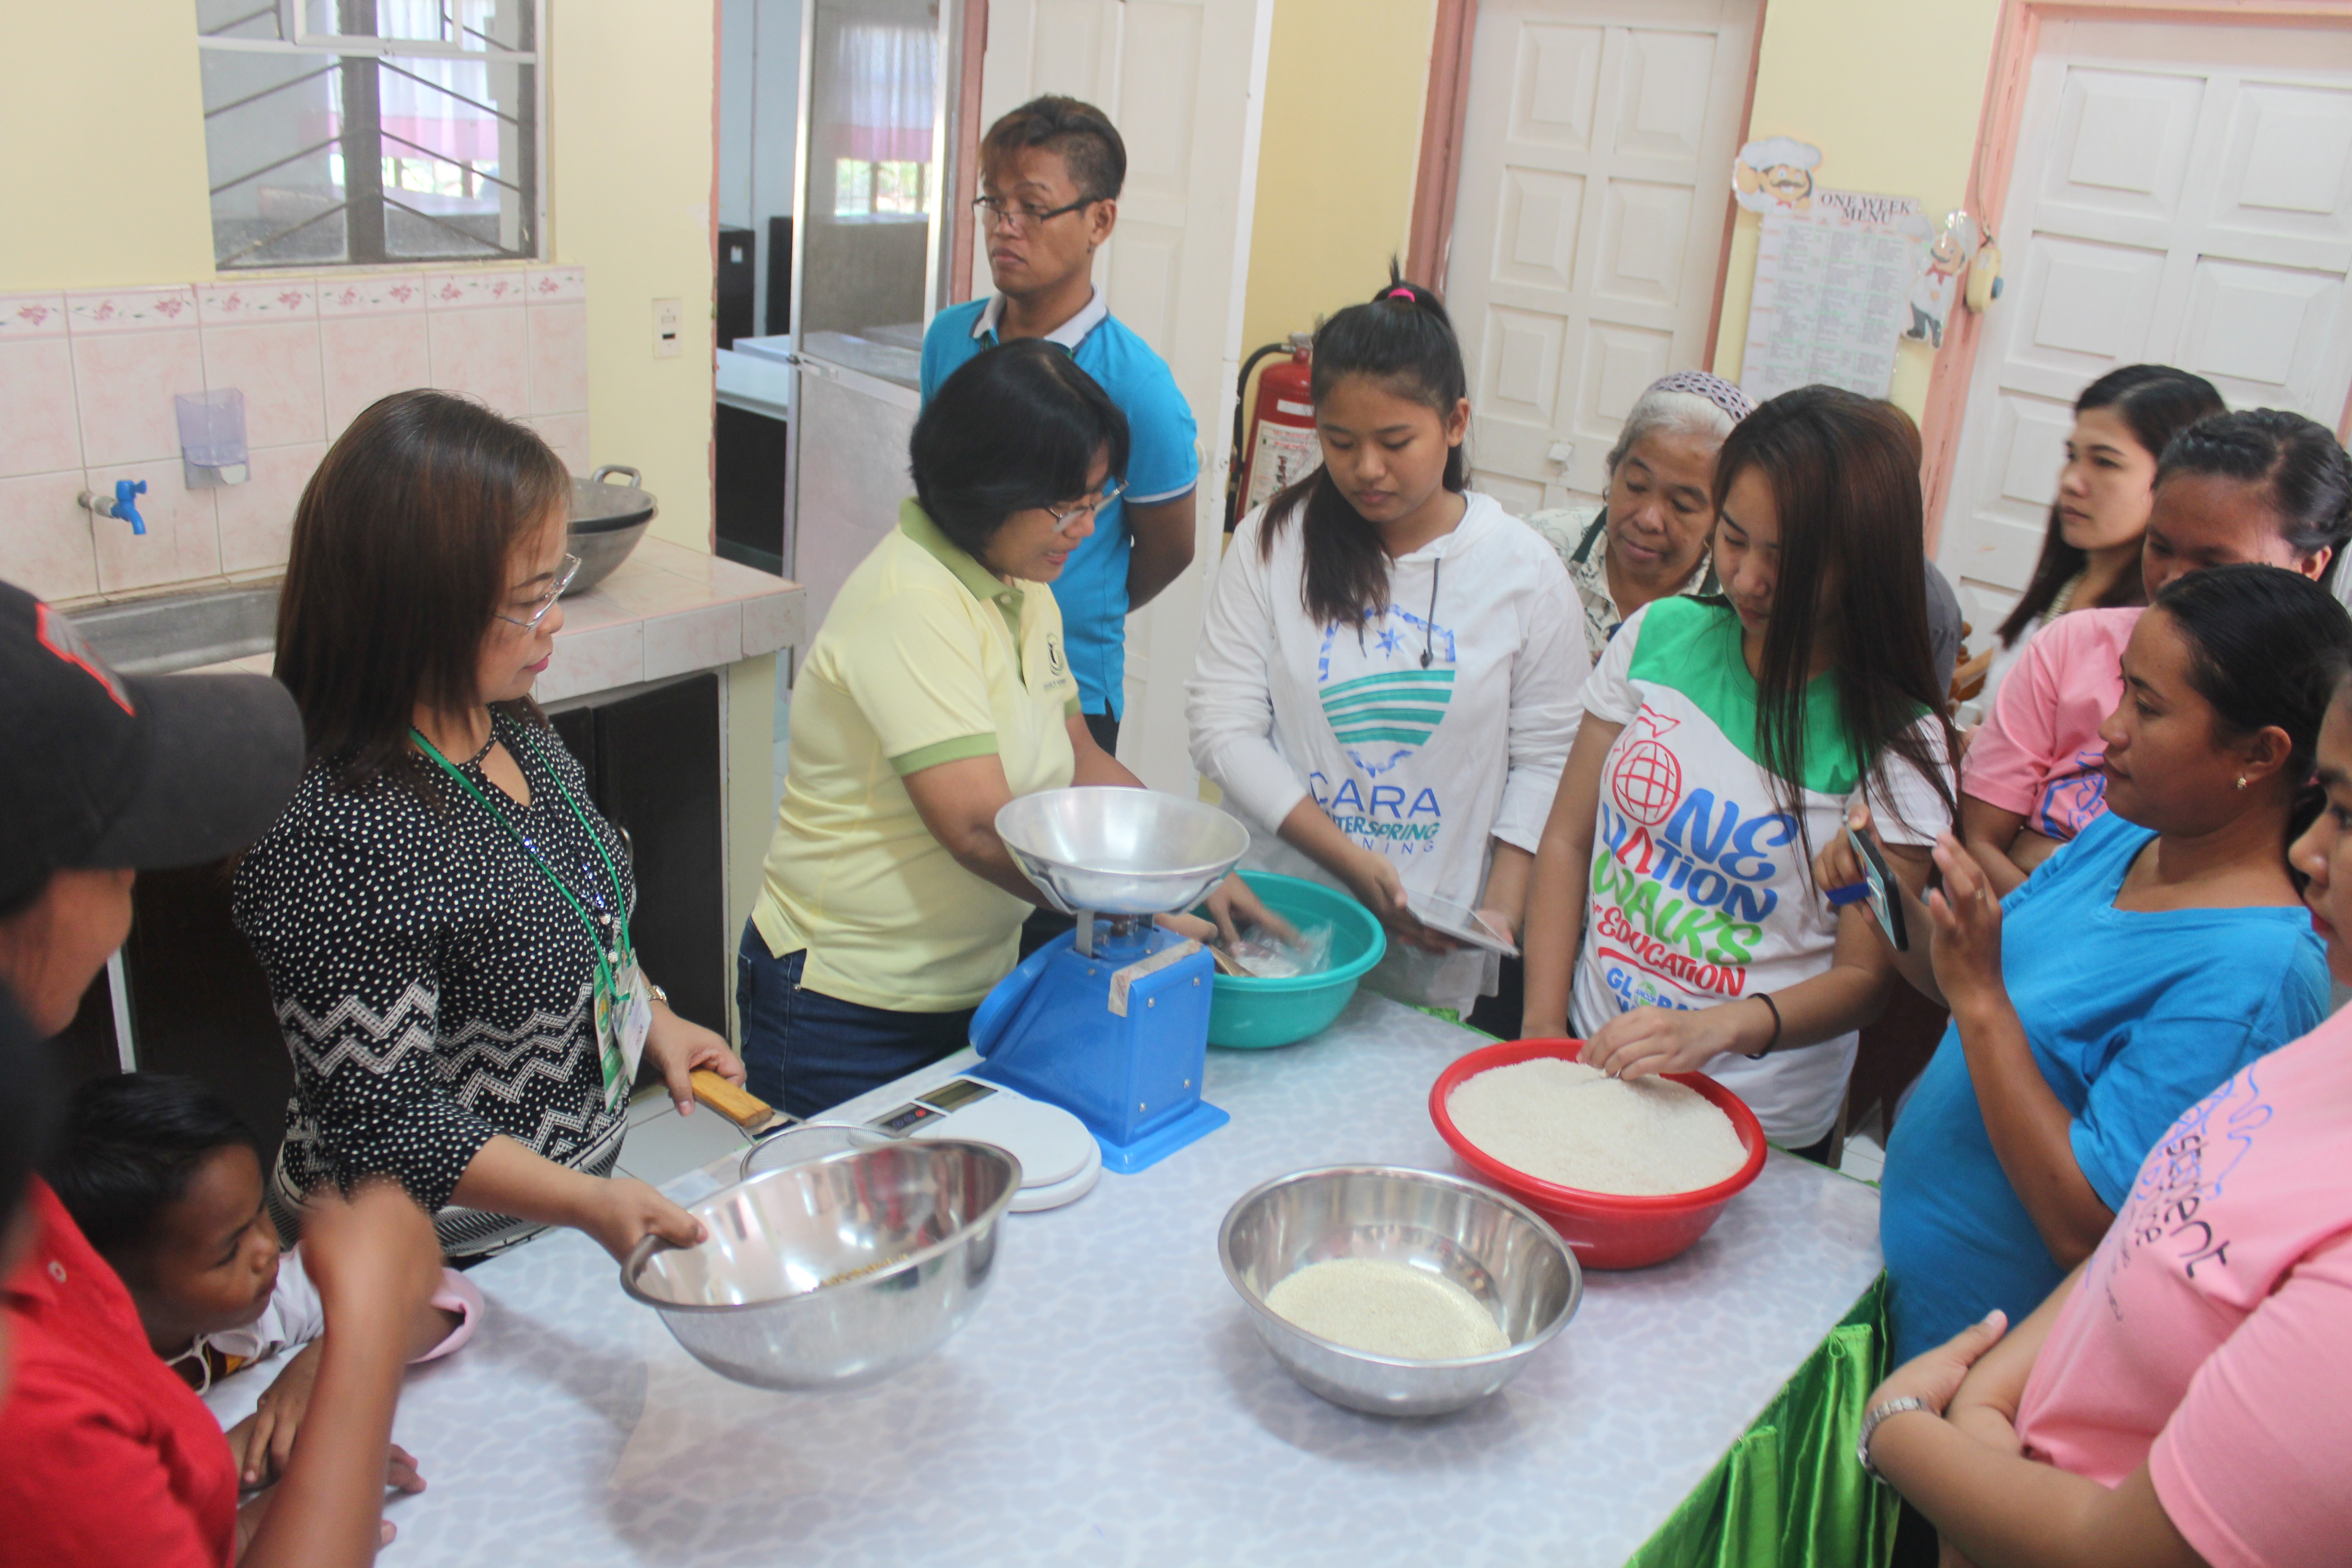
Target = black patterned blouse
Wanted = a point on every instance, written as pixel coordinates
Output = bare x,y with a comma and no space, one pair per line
432,988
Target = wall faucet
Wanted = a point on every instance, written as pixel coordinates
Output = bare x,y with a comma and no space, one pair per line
121,506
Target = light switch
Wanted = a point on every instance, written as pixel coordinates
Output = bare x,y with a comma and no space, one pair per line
666,329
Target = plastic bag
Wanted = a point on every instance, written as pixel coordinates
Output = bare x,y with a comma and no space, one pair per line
1268,957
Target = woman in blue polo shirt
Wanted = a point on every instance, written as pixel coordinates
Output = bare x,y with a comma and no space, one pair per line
2159,952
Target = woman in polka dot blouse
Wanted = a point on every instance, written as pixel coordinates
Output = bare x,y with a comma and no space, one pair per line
442,912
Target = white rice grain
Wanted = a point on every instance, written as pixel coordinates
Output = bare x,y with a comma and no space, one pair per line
1387,1308
1575,1126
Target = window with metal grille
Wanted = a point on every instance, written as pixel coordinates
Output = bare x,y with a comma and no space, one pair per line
364,131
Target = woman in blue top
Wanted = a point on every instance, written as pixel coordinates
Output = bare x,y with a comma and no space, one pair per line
2151,958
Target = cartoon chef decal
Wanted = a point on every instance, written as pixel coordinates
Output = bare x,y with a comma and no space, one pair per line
1776,172
1942,256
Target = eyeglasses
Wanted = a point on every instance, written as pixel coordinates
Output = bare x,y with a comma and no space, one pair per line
1019,218
1065,518
565,570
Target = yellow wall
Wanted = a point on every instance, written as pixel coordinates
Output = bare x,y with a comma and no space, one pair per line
104,181
1344,85
1890,92
101,117
630,182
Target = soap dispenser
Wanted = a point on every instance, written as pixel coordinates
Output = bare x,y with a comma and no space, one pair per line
211,438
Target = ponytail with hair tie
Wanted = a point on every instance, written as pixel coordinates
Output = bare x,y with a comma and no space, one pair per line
1413,354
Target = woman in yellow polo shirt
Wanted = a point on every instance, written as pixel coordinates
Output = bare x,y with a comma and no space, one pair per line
937,690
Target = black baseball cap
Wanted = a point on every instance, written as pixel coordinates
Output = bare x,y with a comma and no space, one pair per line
100,770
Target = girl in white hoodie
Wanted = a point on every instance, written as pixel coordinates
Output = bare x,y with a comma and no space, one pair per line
1387,682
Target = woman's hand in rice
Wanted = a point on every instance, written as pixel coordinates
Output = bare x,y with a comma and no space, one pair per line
1964,927
1665,1039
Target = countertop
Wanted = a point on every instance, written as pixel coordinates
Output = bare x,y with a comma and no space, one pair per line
1110,1403
665,611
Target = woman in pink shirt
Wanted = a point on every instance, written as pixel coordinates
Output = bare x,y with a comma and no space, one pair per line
2259,485
2185,1397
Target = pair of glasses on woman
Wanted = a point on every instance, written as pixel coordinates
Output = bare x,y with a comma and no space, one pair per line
1066,518
565,570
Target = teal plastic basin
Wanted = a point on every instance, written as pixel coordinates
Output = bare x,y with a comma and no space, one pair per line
1252,1014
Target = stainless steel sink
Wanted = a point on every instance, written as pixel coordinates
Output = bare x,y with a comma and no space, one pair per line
182,631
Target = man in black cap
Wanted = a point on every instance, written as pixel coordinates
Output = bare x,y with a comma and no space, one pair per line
104,776
106,1457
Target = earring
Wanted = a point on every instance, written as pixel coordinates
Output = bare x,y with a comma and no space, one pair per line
2241,781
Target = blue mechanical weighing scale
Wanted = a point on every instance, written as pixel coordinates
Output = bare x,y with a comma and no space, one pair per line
1111,1021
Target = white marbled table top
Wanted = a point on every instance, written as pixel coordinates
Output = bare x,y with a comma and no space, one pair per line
1109,1404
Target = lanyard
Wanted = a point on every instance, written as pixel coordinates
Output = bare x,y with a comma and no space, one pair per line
604,968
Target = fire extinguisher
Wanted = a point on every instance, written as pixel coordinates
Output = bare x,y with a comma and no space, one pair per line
1280,444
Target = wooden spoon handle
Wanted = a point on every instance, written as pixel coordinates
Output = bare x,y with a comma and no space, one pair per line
745,1110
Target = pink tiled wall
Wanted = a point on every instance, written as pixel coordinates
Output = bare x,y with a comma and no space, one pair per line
87,382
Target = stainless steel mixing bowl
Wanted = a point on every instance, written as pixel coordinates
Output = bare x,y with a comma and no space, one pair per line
1494,1247
835,1271
1121,851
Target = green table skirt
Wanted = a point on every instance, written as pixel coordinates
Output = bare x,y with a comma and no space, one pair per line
1790,1493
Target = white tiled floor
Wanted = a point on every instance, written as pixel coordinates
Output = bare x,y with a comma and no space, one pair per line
662,1143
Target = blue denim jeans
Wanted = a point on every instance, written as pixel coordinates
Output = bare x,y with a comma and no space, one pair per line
806,1052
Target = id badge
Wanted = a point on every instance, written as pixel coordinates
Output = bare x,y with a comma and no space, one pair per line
617,1082
636,1021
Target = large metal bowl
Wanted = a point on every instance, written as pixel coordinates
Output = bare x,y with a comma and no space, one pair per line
608,521
1494,1247
835,1271
1121,851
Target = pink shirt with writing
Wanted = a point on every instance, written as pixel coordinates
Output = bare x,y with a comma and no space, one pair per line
2038,752
2211,1338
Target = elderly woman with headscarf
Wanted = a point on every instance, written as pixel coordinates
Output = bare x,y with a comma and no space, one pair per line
1648,539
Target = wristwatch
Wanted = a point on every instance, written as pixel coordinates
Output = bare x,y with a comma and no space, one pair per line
660,996
1870,1424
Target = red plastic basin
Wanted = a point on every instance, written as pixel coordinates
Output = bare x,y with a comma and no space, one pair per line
1605,1230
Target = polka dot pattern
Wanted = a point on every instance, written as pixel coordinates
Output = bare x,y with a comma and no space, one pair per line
432,988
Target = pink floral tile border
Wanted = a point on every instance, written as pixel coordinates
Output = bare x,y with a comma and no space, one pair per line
550,285
472,291
372,294
258,300
131,309
32,316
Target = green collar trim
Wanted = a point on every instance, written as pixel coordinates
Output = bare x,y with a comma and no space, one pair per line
978,580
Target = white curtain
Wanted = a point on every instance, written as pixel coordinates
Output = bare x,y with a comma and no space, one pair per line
422,116
885,87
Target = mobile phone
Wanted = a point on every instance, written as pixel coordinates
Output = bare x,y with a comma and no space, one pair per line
1885,895
1449,919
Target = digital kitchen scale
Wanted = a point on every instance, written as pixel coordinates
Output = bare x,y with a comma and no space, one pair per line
1060,1161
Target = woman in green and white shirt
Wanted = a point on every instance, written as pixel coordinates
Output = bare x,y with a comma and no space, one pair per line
1723,739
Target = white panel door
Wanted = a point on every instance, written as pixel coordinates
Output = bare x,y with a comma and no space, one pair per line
2182,196
1184,82
1596,173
